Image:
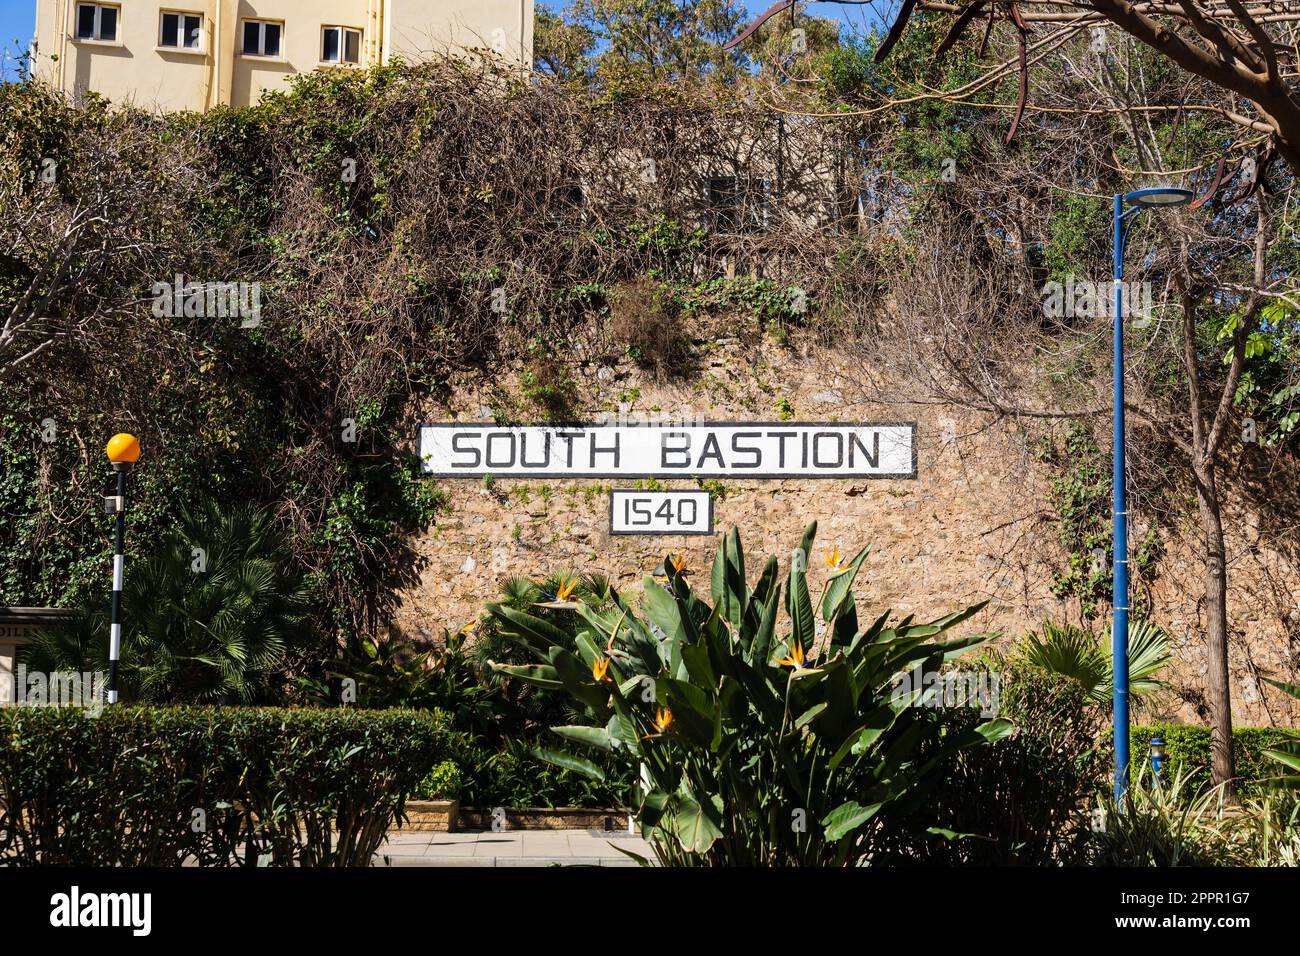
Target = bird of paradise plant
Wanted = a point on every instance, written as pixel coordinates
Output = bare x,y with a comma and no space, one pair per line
756,744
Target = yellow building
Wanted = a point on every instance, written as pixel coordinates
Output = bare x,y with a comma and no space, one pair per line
195,54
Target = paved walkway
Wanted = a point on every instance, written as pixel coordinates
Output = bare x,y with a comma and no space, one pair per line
510,848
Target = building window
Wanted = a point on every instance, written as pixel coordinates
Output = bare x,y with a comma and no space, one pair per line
97,21
181,31
262,38
340,45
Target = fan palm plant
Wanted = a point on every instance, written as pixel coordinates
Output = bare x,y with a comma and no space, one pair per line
207,618
1082,656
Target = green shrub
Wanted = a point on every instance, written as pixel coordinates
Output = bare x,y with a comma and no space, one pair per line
141,786
1015,802
1169,825
1187,747
443,782
757,746
509,774
387,674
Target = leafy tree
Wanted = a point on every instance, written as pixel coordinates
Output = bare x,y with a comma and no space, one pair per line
630,46
562,48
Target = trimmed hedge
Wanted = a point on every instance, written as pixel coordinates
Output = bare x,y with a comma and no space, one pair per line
1187,746
149,786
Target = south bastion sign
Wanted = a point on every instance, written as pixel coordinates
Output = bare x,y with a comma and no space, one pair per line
701,450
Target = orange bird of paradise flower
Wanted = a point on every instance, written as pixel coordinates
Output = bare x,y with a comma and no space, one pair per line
599,668
835,560
663,720
679,563
795,658
563,594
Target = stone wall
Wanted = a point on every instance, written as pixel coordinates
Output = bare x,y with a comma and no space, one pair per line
975,525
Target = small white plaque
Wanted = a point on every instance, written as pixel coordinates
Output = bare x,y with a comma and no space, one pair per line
660,512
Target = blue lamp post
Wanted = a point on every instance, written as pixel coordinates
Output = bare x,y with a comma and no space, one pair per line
1154,198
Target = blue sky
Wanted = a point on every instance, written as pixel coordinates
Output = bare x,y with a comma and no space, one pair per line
17,21
18,18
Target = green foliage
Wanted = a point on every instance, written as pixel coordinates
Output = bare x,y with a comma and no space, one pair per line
641,47
843,71
1081,497
387,674
762,300
1187,751
929,134
1085,658
1015,802
35,123
1079,237
1167,825
274,787
1269,391
527,707
1285,753
509,774
713,486
666,246
757,747
545,383
209,618
443,782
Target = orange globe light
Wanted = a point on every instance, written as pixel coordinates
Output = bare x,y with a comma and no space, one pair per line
123,448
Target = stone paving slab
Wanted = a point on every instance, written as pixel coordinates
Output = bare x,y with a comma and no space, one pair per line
510,848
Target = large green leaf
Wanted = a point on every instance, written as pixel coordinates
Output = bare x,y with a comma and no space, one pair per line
846,818
590,736
1292,689
760,648
806,542
868,731
728,588
537,633
577,678
767,583
664,611
569,762
698,822
696,659
540,675
799,606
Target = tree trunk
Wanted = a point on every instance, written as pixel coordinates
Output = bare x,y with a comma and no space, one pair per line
1216,630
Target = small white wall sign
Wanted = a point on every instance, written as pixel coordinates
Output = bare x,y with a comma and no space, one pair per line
709,450
660,512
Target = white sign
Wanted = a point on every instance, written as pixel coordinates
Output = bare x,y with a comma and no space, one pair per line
723,449
660,512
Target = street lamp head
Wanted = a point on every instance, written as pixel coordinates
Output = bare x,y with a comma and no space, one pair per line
1159,197
123,449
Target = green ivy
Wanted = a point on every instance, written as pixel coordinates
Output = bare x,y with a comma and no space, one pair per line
1081,497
